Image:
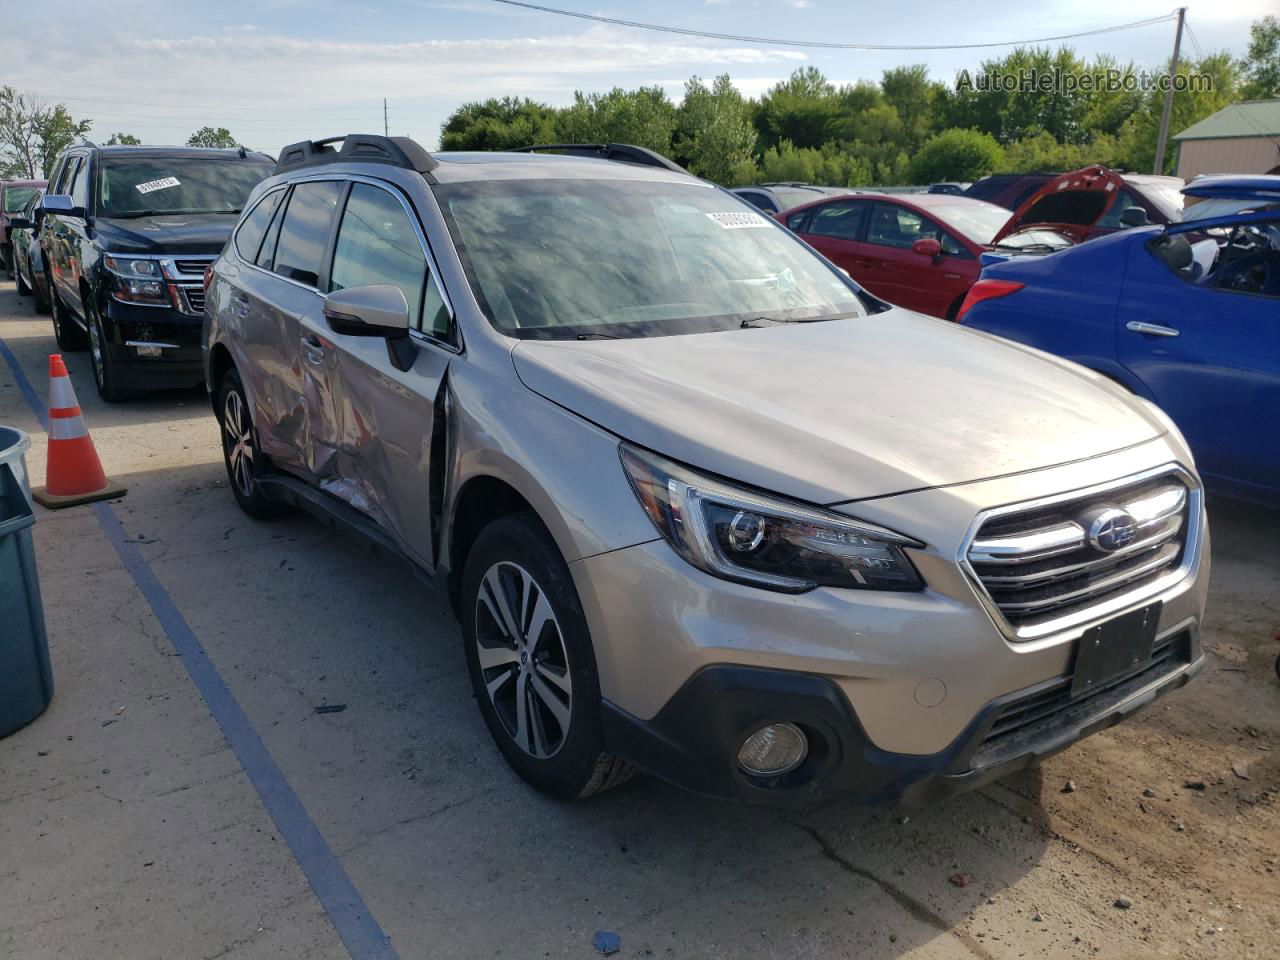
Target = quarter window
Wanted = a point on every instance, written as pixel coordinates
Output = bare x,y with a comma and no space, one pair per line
378,245
249,236
308,220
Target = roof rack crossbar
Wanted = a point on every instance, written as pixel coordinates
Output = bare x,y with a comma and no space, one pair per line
623,152
357,147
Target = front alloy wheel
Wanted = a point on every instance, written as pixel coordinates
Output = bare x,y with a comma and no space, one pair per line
240,450
106,376
523,659
531,661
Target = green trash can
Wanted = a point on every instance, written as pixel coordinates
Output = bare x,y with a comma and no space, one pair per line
26,681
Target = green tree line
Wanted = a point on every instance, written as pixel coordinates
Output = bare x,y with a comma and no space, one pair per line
907,128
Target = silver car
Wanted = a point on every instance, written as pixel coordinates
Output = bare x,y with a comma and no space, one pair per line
707,508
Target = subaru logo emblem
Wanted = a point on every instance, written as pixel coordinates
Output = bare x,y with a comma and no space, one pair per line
1112,530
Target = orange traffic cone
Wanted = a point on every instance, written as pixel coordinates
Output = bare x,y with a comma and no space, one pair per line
74,472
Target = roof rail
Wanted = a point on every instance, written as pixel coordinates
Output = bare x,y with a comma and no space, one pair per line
357,148
624,152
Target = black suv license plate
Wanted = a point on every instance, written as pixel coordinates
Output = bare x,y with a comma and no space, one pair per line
1114,648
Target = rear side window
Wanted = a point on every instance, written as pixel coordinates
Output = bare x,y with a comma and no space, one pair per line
304,233
249,236
895,226
839,220
378,245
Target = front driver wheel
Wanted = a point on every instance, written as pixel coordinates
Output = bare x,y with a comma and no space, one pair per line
240,450
106,377
531,661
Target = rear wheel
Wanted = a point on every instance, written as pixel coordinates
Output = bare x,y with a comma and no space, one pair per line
65,330
240,450
531,661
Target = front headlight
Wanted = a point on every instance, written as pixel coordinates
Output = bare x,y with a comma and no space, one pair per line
741,535
136,280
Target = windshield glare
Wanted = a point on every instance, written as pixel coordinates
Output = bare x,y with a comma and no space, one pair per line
138,186
15,198
559,259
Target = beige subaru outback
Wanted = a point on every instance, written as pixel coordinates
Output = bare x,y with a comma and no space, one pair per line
708,509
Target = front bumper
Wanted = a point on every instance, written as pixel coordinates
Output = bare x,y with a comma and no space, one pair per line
179,363
694,740
898,684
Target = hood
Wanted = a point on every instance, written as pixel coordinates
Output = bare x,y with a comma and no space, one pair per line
1070,204
166,233
841,410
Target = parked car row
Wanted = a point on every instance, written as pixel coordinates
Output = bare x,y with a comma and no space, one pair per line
707,506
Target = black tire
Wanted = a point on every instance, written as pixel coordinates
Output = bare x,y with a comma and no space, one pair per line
23,289
66,331
578,766
106,376
40,297
235,426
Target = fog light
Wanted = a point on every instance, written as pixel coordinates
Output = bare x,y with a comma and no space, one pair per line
774,750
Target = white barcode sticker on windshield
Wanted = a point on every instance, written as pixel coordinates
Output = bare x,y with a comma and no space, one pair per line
738,221
160,184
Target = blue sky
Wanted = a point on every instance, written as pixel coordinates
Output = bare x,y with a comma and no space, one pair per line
276,71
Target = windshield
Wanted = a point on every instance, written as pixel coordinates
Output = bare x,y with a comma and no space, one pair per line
1167,199
978,221
141,186
15,198
559,259
1034,237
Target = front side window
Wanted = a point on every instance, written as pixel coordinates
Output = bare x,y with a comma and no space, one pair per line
80,186
895,226
67,174
839,220
565,259
249,236
378,245
131,186
299,252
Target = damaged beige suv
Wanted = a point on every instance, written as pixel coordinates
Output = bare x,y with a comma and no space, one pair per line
707,508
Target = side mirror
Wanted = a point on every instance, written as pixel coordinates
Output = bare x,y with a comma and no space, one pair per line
927,247
378,310
19,223
1134,217
61,203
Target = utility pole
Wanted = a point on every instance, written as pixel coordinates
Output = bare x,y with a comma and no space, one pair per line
1168,95
384,99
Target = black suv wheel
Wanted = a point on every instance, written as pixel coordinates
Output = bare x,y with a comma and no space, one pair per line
65,330
531,662
106,377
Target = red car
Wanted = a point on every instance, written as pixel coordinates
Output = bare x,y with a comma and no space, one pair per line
918,250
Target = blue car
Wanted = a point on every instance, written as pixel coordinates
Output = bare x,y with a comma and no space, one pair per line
1186,315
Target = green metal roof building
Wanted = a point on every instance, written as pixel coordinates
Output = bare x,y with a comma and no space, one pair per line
1241,138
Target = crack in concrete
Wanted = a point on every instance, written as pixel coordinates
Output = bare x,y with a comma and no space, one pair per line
908,903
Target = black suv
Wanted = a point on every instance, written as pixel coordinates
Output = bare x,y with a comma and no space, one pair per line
127,234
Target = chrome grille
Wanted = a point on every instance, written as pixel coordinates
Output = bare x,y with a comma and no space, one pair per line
1045,562
192,267
194,299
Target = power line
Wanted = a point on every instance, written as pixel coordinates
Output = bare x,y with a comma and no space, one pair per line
826,45
1195,42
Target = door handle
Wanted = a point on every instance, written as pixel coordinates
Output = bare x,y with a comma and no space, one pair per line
313,348
1151,329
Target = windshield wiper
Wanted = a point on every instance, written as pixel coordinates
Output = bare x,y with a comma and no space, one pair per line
751,322
597,336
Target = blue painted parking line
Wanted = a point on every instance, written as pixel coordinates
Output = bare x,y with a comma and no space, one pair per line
360,932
